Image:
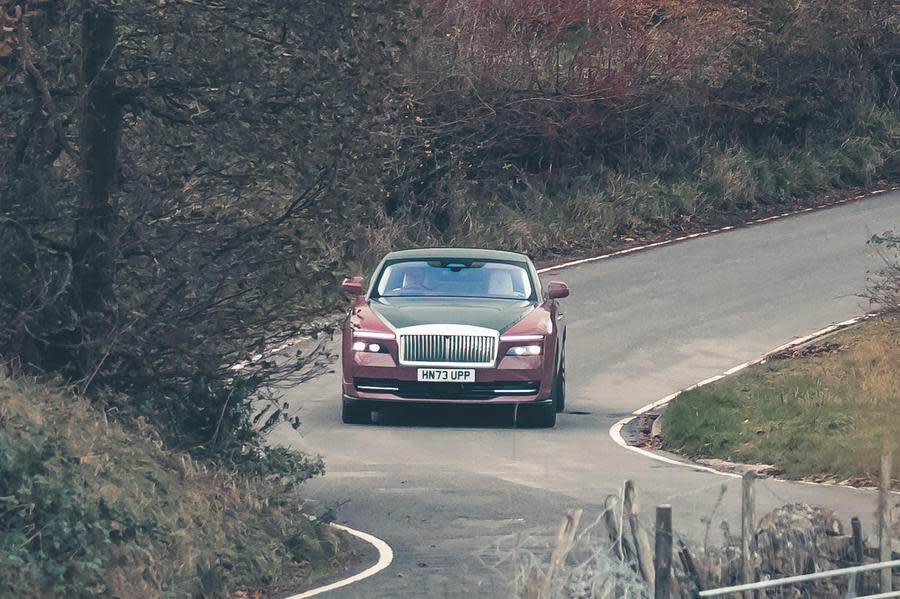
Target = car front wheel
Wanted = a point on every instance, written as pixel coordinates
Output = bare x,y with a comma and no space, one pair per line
559,384
353,414
536,416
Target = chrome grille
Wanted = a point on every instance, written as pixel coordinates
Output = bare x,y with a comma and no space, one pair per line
448,348
447,344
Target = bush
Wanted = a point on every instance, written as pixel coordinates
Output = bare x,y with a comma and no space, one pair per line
884,286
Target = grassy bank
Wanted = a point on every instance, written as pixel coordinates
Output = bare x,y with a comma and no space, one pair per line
88,509
825,412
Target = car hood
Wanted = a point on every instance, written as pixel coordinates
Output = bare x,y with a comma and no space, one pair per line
490,313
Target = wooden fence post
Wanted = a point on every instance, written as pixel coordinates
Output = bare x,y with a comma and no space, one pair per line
688,562
565,538
641,541
884,520
856,527
662,586
747,505
620,544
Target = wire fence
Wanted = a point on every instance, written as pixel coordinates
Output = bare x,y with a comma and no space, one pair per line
851,573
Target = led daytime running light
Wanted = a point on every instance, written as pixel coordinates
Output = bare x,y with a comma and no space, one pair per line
524,350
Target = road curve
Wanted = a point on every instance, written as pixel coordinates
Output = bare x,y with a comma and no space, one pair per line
440,486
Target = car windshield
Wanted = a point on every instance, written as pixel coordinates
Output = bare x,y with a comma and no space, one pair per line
454,278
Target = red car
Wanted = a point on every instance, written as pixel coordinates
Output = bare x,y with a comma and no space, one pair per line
455,326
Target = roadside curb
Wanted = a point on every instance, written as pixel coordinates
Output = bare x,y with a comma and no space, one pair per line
385,557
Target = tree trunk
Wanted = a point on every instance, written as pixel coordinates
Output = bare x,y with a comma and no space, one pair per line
100,126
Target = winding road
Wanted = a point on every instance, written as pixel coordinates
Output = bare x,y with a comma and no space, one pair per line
441,485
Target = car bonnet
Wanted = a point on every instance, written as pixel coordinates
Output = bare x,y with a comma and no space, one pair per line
490,313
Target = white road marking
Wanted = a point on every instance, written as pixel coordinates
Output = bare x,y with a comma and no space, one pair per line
705,233
615,433
385,557
616,430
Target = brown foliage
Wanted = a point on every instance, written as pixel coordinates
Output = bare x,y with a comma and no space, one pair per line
566,73
541,83
797,65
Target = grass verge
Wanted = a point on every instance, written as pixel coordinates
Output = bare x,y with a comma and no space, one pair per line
89,509
824,413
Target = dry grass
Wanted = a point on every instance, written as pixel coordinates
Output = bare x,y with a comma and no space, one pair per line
90,509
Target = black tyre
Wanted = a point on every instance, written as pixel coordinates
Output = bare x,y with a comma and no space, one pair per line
559,384
540,416
353,414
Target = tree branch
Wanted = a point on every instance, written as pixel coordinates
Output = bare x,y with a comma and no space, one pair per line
302,200
28,62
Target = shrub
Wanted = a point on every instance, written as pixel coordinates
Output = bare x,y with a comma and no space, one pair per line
884,285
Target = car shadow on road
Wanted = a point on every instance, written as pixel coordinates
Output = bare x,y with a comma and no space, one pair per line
445,416
452,416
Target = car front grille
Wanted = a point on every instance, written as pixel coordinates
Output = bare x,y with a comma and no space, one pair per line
448,348
441,345
460,391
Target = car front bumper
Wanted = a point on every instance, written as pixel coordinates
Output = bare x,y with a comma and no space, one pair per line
515,380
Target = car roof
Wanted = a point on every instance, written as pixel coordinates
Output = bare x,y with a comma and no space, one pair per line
425,253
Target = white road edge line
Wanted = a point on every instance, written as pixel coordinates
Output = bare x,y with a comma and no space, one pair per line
749,223
616,430
385,557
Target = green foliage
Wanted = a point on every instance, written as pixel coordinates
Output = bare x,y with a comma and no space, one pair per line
704,423
48,529
88,510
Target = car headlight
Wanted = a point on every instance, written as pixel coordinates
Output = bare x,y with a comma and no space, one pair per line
524,350
368,346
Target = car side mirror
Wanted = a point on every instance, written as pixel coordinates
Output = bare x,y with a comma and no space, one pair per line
557,290
352,286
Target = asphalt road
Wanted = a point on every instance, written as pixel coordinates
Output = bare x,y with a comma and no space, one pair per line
443,486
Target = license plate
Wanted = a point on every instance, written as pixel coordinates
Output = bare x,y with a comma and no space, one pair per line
446,375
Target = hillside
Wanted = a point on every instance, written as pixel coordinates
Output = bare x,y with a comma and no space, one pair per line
90,509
